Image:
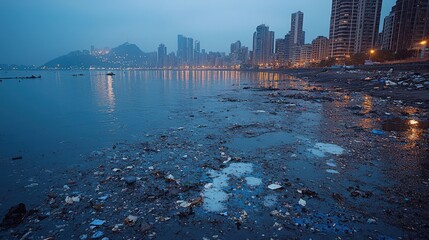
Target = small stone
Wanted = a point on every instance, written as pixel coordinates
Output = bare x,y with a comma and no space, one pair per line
130,180
144,227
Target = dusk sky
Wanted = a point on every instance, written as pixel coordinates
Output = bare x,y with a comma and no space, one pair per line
34,32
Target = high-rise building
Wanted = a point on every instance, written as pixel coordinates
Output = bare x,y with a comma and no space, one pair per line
368,23
162,55
389,23
411,24
185,50
297,35
320,47
280,52
263,45
197,53
342,30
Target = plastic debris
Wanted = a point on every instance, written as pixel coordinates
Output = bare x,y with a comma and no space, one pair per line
371,221
131,220
302,202
97,222
377,132
332,171
274,186
71,200
103,198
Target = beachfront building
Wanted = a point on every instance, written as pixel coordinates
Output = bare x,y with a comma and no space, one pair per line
410,24
319,48
342,30
368,23
354,27
388,26
263,45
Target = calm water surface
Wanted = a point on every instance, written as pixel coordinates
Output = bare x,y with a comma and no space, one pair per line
55,121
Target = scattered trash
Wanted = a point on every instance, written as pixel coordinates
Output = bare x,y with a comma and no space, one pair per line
71,200
97,222
130,220
332,171
302,202
371,221
103,198
274,186
377,132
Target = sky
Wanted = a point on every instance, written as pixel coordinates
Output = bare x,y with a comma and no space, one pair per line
36,31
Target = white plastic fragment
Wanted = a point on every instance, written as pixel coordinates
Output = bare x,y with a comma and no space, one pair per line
302,202
274,186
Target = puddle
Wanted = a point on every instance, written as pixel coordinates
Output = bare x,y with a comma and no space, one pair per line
320,149
253,182
270,201
263,141
215,197
402,125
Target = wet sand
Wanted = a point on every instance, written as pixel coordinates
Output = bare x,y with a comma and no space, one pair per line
290,158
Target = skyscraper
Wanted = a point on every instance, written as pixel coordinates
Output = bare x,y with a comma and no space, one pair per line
411,24
197,53
263,45
297,36
342,31
185,50
368,22
162,55
388,26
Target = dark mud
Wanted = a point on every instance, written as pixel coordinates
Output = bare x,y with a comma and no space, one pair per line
273,160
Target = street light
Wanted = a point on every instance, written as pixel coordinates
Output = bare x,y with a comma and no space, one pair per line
371,52
423,44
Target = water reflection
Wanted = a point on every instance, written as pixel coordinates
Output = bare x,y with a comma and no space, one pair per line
104,90
367,104
412,129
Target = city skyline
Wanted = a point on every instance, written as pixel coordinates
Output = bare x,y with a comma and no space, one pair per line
31,39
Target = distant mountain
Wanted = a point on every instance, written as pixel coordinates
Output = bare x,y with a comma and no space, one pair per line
76,59
126,55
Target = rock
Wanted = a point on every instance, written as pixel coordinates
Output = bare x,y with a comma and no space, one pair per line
144,227
130,180
14,216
